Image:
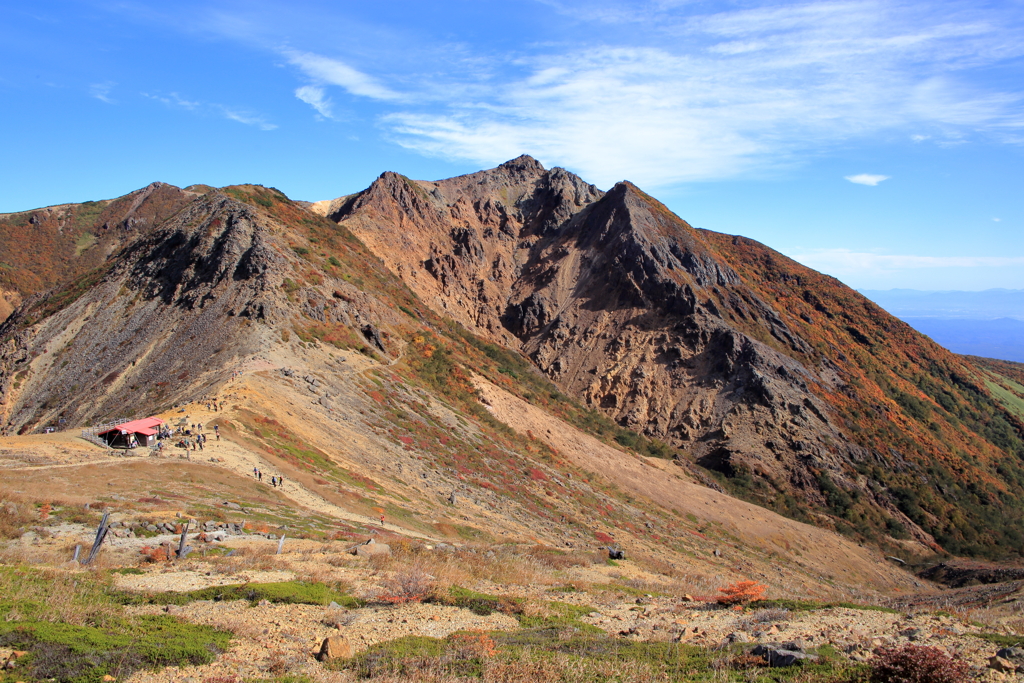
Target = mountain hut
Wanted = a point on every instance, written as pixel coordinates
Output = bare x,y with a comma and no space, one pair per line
131,434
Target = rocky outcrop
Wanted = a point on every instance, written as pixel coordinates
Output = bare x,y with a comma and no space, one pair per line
462,243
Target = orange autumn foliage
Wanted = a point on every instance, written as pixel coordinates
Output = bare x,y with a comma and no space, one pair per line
741,593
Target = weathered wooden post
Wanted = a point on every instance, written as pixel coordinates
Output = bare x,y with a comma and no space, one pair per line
183,550
101,533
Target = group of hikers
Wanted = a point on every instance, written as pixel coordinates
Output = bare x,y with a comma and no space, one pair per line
275,480
193,437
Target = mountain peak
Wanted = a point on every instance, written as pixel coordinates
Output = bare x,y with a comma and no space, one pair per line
524,164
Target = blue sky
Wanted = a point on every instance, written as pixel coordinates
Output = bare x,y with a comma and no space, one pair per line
880,142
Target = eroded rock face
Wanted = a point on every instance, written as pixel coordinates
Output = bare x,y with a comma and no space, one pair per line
167,317
461,244
622,304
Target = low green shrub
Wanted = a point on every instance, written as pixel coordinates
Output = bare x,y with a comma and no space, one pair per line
479,603
85,654
287,592
565,654
129,571
1001,639
812,605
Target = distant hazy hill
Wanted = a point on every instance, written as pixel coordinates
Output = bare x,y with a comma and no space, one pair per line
988,323
985,305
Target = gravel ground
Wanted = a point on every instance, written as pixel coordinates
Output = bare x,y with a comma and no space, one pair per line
273,636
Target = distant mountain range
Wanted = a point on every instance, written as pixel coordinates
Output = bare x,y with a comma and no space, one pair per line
988,323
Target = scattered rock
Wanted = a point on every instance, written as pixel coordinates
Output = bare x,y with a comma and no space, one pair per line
779,657
334,647
1000,664
1015,653
371,548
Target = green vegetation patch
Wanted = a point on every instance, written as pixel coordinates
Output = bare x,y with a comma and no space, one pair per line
561,615
562,654
84,654
74,630
1010,400
286,592
1001,639
480,603
812,605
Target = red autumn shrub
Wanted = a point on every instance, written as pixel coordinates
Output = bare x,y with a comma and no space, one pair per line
916,664
741,593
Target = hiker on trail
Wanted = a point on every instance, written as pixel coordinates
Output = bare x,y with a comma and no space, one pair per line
200,444
255,471
280,480
382,520
259,475
273,482
216,430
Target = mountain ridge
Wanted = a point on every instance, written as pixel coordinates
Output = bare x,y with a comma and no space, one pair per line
755,374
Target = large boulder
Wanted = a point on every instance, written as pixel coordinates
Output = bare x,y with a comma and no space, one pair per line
777,656
334,647
371,548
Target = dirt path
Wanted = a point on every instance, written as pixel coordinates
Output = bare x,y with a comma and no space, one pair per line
242,461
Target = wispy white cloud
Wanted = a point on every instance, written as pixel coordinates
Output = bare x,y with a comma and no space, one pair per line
231,113
866,179
101,91
247,118
324,70
315,97
731,93
173,99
